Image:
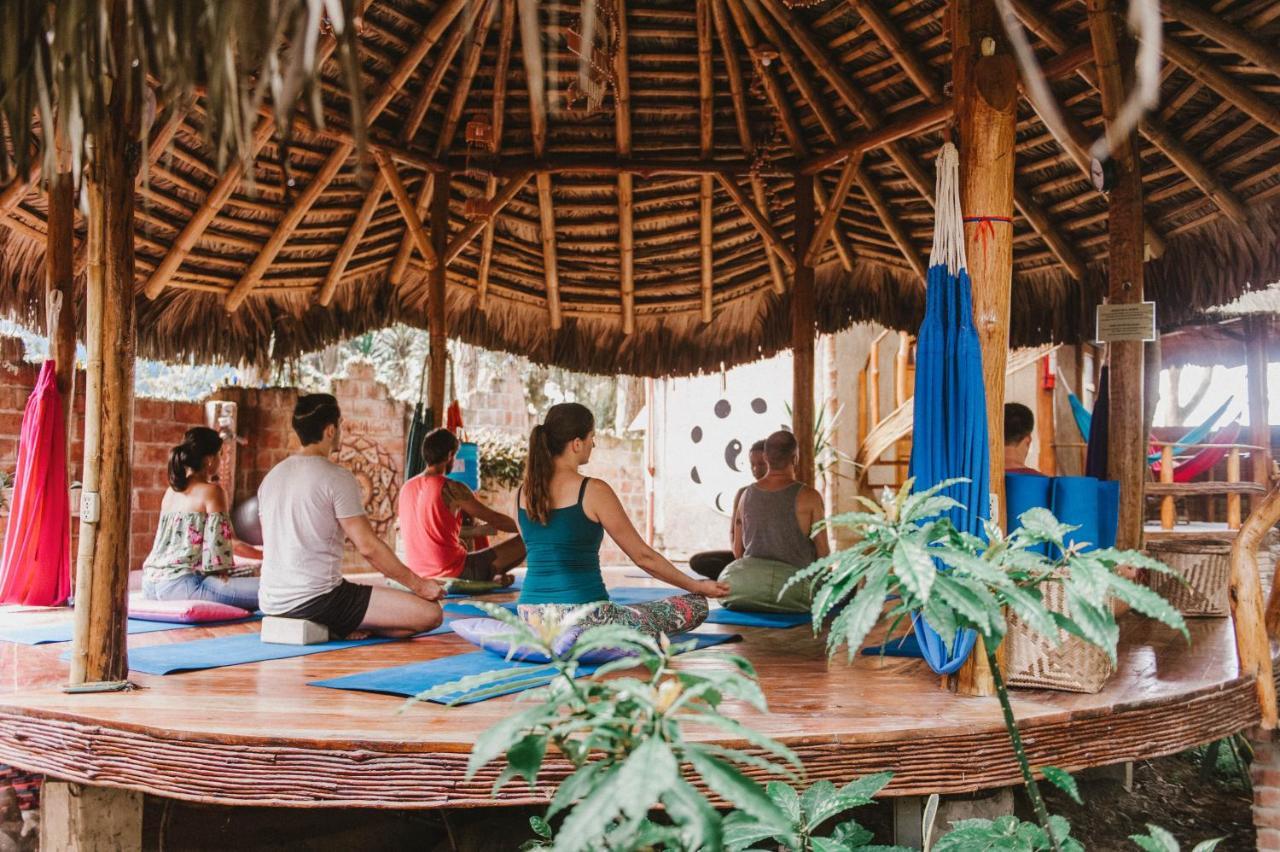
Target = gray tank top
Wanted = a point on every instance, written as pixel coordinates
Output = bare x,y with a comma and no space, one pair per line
770,529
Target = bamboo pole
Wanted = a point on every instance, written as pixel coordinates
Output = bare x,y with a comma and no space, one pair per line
1255,342
506,36
1247,616
412,222
873,383
1233,499
901,359
437,352
1167,507
862,406
1046,426
60,278
550,265
803,322
985,79
706,146
497,201
352,240
98,650
761,222
1126,439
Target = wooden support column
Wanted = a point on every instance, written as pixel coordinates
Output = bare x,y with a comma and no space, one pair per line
80,818
1126,437
1247,614
1255,342
438,340
98,650
802,332
59,277
986,92
1046,427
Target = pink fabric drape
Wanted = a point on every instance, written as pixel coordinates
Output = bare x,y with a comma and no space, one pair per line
35,569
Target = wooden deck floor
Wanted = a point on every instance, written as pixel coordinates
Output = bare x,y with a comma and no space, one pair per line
257,734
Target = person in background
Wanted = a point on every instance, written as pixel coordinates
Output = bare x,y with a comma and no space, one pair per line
774,536
711,562
431,507
308,505
1019,424
194,543
563,517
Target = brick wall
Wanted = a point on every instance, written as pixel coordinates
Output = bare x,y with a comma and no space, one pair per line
619,461
1265,772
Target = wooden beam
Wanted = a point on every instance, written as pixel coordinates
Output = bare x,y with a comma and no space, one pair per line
899,49
1212,25
626,188
1043,225
431,86
500,200
848,177
897,233
59,265
497,122
352,240
1173,148
99,651
803,332
449,126
16,190
534,73
986,94
437,306
771,237
412,220
737,93
706,126
1126,458
843,250
1234,92
1256,329
550,266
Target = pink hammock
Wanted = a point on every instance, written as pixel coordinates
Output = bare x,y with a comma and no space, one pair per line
35,569
1205,458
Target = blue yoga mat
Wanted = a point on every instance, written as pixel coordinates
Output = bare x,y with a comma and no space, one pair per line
779,620
415,678
624,595
514,587
462,610
234,650
62,631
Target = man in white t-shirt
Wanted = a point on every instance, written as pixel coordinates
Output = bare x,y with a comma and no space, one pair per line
308,505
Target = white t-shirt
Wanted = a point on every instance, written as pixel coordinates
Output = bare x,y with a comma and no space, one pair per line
300,501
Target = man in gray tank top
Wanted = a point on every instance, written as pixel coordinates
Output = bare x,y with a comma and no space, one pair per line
772,536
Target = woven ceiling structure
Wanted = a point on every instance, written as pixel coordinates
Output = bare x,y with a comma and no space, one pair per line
620,175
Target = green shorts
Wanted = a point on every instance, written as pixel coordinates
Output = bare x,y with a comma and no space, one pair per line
756,584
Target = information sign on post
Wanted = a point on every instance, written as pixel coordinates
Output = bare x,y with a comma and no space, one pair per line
1126,322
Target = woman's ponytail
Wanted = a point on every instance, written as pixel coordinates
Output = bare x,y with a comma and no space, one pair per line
565,422
537,475
198,444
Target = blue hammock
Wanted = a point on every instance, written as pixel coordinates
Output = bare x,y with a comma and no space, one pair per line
950,430
1193,436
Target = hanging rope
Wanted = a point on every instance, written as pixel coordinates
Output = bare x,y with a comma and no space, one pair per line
948,229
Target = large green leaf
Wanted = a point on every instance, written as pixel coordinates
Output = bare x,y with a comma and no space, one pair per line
856,793
1149,603
524,760
699,823
1156,839
914,567
1063,781
734,787
631,790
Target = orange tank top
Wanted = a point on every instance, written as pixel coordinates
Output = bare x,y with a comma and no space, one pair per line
429,530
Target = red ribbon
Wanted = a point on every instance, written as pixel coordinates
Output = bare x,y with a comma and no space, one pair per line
986,230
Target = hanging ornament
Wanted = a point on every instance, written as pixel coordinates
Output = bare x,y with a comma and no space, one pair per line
592,37
480,147
476,209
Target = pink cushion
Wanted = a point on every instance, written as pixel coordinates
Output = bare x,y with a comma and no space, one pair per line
184,612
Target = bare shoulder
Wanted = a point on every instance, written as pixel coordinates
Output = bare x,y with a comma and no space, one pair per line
210,494
811,496
456,491
598,488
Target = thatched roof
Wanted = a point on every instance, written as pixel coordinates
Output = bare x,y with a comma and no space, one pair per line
787,88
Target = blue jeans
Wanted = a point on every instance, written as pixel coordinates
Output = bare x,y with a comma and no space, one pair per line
234,591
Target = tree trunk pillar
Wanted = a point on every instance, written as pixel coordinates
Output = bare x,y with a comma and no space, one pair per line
985,77
438,356
99,652
803,329
1126,438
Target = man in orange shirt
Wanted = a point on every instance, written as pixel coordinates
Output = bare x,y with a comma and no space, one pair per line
431,507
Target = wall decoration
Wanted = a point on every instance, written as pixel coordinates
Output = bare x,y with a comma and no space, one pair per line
376,471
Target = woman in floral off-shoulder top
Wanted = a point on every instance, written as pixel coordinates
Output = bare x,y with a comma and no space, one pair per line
193,548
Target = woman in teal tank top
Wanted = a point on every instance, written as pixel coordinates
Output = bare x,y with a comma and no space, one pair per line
563,517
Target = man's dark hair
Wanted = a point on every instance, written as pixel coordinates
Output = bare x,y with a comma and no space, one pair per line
757,447
437,445
312,414
1019,423
780,449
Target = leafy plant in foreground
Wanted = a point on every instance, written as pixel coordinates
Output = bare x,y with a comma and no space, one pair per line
624,737
901,542
807,812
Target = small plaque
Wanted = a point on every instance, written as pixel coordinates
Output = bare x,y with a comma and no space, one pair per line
1126,322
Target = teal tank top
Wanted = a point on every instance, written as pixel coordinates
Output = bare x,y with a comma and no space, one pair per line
563,556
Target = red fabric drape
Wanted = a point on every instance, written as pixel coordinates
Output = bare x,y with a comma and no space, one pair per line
35,568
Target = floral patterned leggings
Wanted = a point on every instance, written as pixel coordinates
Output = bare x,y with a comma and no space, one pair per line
669,615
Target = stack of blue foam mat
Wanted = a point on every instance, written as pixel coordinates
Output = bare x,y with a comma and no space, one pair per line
62,631
416,678
1091,504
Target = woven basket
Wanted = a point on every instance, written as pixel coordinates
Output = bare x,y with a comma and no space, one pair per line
1205,564
1034,662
